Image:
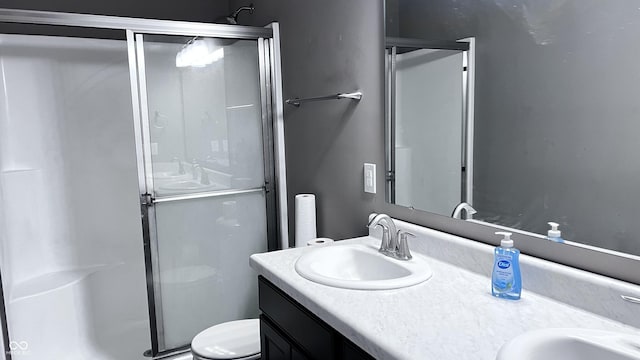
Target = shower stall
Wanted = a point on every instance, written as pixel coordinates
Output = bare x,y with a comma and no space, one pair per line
141,163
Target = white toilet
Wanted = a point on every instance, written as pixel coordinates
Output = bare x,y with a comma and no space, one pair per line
237,340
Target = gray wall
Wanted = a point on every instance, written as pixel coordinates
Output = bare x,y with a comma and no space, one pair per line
556,111
192,10
392,17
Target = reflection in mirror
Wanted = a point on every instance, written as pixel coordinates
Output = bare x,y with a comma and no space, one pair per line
427,124
556,114
205,123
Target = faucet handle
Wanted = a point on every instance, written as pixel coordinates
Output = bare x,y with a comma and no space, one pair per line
194,171
403,245
386,239
204,177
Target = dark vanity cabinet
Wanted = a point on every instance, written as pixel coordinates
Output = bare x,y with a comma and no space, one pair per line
288,331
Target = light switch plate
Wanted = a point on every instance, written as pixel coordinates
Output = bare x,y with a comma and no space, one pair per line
370,178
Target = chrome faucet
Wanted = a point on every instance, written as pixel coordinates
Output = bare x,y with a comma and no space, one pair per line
388,244
180,166
394,242
457,212
204,177
194,171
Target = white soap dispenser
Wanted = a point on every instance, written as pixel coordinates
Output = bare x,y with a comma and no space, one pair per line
554,234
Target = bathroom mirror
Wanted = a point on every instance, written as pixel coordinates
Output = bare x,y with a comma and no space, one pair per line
556,115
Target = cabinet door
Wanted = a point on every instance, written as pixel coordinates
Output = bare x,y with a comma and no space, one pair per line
290,331
273,345
298,355
305,330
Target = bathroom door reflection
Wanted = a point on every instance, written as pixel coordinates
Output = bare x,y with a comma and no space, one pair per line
426,128
205,177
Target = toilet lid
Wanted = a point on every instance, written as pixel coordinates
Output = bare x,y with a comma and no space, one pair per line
230,340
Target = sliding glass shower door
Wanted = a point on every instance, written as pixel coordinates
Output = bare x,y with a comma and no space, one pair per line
205,170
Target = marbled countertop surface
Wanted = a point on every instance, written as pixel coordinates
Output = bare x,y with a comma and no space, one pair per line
451,316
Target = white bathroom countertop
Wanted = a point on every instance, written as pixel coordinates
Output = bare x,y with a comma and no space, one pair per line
452,316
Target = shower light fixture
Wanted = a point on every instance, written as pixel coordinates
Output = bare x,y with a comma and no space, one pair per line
199,53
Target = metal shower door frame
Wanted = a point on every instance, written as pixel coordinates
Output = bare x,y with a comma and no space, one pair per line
268,96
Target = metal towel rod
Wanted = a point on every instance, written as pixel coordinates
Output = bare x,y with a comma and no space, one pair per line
353,96
631,299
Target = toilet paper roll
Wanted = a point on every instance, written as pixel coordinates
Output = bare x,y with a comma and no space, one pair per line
305,219
319,241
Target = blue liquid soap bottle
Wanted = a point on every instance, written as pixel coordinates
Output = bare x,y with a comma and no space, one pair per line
506,281
554,234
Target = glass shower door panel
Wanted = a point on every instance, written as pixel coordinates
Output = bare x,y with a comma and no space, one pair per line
205,172
204,275
205,120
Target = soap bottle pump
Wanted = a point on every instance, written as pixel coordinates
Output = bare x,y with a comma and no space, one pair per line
554,234
506,280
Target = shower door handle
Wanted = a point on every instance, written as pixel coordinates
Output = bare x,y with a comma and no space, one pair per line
148,200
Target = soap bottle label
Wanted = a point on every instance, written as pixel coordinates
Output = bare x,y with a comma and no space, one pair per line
503,273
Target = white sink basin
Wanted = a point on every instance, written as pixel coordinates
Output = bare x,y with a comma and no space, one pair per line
359,266
169,175
572,344
166,171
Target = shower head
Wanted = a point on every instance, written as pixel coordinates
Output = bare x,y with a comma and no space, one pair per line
233,17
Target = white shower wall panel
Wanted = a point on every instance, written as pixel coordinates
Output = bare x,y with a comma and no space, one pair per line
31,161
72,254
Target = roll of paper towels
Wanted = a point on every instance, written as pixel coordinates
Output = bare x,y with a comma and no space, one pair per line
305,219
319,241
